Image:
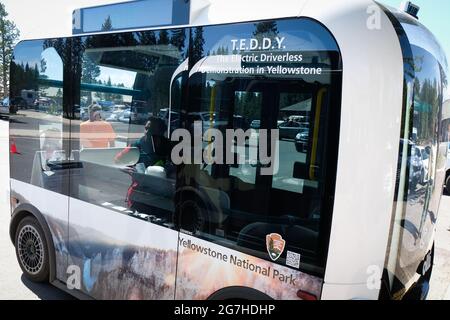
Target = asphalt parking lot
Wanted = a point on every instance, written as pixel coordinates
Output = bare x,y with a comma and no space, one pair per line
15,287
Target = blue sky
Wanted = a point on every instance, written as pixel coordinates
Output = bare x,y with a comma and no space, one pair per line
435,15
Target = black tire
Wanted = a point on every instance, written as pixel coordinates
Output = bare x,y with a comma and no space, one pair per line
191,215
32,250
447,185
420,290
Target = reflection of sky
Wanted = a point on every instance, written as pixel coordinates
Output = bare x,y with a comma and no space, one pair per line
54,65
117,76
28,52
300,35
144,13
435,16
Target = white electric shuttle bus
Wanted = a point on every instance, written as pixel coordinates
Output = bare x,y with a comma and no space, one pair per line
347,94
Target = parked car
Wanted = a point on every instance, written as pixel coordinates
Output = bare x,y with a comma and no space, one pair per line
255,124
18,103
43,104
416,168
424,154
84,113
4,107
414,164
125,117
302,141
290,129
117,112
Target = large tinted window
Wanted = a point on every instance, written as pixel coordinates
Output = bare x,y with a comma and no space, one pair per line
37,127
125,84
423,148
264,102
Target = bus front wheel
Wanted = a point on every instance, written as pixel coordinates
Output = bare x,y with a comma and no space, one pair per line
31,250
191,215
447,185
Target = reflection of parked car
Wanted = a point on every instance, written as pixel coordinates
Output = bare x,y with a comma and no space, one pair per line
414,164
416,168
43,104
18,103
125,117
84,114
423,154
117,112
302,140
4,106
212,121
290,129
255,124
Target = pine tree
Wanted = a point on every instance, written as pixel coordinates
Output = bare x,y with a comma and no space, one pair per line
198,44
8,36
164,37
107,25
266,29
178,38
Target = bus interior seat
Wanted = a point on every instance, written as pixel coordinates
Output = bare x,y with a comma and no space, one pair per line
107,156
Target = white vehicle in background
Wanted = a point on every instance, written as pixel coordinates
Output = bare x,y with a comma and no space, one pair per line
125,116
4,107
424,156
117,112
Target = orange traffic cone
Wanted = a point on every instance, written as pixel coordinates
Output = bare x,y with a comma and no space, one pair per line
13,148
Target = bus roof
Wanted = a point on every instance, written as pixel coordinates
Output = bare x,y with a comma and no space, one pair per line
145,14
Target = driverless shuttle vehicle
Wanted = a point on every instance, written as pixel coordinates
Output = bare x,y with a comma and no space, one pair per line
270,151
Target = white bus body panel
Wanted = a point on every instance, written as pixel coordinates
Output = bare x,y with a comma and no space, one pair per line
54,207
371,103
205,12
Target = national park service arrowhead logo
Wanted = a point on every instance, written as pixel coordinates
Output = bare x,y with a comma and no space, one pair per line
275,245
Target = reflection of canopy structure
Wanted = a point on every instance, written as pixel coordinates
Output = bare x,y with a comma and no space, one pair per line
303,106
446,110
422,107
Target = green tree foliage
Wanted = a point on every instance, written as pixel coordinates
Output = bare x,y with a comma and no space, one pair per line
268,29
178,38
164,37
107,25
9,34
198,44
26,77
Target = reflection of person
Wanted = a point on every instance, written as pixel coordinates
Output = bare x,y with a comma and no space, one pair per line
154,147
51,144
154,152
96,133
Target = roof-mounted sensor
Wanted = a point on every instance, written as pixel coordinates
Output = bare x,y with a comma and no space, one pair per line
410,8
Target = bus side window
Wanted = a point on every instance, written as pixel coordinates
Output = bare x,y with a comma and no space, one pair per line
126,118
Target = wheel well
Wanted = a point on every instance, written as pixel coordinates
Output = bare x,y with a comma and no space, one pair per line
240,293
26,210
17,217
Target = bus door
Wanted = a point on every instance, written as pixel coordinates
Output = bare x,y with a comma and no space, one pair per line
255,213
40,161
122,238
